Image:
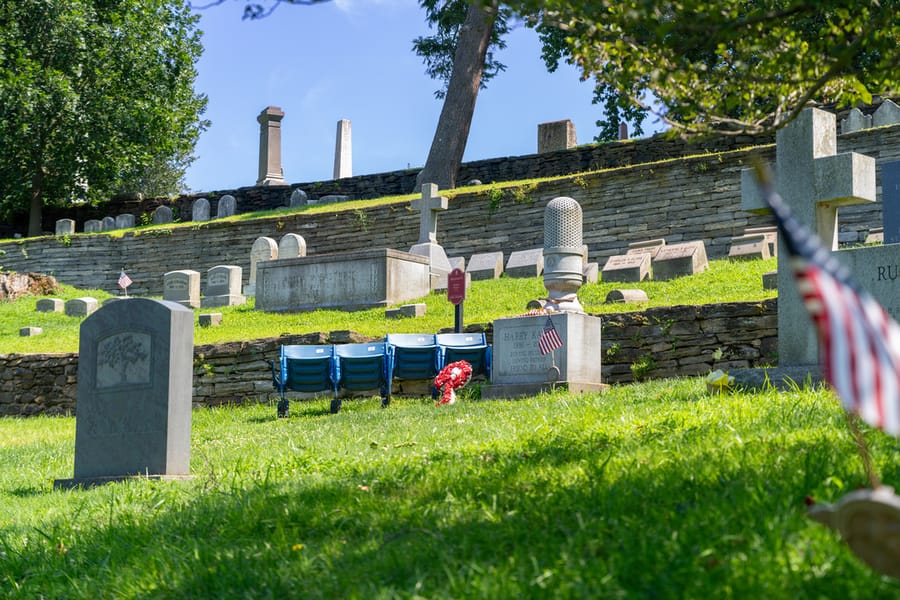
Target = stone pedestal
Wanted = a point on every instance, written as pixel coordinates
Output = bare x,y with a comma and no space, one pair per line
519,369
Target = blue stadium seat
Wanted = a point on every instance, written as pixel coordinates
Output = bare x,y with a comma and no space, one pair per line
303,369
359,367
470,347
413,355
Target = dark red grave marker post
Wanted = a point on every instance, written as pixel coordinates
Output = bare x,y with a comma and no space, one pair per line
456,293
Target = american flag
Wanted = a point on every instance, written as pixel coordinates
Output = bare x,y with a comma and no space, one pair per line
550,339
860,341
124,280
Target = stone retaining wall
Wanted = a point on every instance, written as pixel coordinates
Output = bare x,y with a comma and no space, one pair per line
696,198
654,343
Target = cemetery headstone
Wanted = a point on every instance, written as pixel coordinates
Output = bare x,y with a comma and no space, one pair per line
330,199
125,221
457,262
298,198
591,272
487,265
771,233
30,331
182,287
270,171
263,248
428,206
407,310
225,206
627,268
162,215
223,287
49,305
65,227
135,381
770,280
93,226
200,210
651,247
875,236
814,181
856,120
890,201
886,114
107,224
343,151
291,245
679,260
525,263
749,247
81,307
210,319
556,135
638,296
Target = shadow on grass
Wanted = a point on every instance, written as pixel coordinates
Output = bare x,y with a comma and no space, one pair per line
555,518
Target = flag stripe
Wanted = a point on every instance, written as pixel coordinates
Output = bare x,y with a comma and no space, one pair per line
549,339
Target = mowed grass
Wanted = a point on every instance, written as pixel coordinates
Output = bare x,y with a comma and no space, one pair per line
725,281
652,490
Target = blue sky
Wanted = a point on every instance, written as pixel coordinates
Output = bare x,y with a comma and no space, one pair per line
353,59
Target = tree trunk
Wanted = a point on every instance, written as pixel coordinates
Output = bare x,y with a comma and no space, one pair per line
449,141
37,203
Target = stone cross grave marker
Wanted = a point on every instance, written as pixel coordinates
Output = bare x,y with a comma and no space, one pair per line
291,245
182,287
135,381
200,210
890,201
428,206
814,181
264,248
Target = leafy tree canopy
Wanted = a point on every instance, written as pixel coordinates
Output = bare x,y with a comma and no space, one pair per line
731,65
96,96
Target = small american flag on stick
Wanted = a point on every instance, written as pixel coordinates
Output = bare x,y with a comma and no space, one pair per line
124,281
549,339
860,341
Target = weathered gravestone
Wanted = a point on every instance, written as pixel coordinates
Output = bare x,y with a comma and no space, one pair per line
856,120
107,224
488,265
225,206
210,319
890,201
162,215
457,262
679,260
771,233
125,221
591,272
30,331
65,227
428,206
291,245
627,268
886,114
200,210
525,263
343,150
298,198
556,135
270,171
651,247
346,281
182,287
135,380
81,307
615,296
93,226
263,248
49,305
875,235
749,247
223,287
814,181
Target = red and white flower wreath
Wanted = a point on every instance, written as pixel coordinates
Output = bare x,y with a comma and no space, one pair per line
451,378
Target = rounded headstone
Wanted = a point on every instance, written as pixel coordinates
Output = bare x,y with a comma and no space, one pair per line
226,206
125,221
93,226
298,198
200,210
107,224
65,227
291,246
162,214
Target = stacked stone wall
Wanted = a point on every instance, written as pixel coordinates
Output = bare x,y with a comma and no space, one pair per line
654,343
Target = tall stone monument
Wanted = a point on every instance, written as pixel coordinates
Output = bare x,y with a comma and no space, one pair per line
814,181
135,382
270,170
343,151
428,206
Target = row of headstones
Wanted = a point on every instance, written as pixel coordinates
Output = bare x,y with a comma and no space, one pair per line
654,259
887,114
520,264
161,215
85,306
223,287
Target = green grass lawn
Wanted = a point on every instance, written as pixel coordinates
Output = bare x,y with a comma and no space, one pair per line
725,281
653,490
